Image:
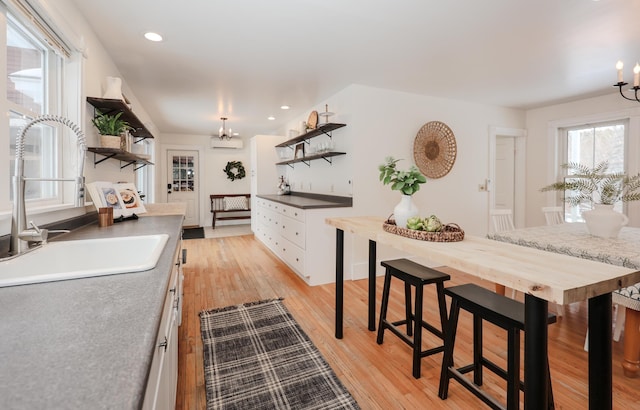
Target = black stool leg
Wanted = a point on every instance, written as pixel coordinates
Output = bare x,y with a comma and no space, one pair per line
513,369
442,305
407,307
449,341
477,350
417,334
383,307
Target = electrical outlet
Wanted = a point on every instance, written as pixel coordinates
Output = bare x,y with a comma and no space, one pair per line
331,188
309,186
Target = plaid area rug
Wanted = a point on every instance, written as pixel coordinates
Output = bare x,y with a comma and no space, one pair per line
256,356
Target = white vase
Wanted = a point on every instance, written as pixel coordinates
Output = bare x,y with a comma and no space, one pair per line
405,210
113,88
603,221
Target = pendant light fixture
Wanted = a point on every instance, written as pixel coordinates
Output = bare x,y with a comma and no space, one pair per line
224,138
222,132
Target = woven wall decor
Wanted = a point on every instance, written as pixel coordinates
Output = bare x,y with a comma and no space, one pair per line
434,149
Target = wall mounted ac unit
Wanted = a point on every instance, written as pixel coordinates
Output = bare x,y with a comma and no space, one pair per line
235,143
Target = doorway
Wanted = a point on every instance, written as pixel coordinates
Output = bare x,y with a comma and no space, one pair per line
507,171
183,182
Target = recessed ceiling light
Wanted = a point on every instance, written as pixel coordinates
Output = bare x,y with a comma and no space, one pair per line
284,107
271,118
151,36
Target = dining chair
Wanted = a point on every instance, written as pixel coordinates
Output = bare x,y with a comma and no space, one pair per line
554,215
502,220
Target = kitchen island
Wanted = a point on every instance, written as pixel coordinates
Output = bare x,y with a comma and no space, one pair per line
86,343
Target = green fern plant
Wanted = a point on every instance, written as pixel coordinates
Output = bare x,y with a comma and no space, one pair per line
595,185
407,182
108,124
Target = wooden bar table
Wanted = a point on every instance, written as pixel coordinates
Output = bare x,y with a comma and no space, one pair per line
542,276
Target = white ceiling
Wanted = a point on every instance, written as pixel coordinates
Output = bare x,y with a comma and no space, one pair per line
245,58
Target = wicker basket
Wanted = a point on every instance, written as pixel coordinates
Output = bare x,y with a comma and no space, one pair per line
111,141
450,232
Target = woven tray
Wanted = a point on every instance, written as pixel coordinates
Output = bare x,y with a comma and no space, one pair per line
450,232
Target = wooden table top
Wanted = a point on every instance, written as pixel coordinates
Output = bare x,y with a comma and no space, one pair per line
550,276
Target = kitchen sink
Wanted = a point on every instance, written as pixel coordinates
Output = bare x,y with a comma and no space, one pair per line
74,259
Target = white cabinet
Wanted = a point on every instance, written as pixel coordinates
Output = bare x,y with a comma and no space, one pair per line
299,237
163,376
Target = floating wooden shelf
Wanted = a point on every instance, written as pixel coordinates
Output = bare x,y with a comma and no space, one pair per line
114,106
115,153
322,129
306,159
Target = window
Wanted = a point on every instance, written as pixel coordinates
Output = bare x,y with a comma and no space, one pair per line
34,66
590,145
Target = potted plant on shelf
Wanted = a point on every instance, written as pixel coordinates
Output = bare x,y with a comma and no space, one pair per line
111,127
602,190
407,182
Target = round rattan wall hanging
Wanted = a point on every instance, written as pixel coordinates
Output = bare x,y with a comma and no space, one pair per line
434,149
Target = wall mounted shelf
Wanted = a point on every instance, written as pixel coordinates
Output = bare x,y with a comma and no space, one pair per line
138,131
123,156
323,129
325,155
114,106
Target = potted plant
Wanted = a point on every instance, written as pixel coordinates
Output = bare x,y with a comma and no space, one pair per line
407,182
602,190
110,127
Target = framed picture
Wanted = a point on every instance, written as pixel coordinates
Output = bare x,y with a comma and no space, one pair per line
299,152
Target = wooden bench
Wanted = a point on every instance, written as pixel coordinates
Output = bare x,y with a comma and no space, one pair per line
232,208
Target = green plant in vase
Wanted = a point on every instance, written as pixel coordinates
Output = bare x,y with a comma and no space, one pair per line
407,182
602,190
596,186
108,124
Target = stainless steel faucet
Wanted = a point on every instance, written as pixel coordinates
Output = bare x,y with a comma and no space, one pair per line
21,236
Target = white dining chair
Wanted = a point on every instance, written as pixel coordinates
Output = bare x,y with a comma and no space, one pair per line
502,220
554,215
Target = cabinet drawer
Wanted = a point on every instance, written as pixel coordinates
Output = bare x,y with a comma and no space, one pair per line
293,230
292,255
292,212
270,219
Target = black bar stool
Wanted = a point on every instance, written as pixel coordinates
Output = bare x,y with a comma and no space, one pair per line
413,274
501,311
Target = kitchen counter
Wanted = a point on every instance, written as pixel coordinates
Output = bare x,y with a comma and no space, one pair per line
310,201
85,343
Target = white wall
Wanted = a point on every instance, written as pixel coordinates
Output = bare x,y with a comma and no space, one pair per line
541,125
213,179
383,122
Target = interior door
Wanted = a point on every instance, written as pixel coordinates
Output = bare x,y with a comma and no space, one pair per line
505,173
183,183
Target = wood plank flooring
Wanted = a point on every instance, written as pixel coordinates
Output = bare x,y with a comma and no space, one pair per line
227,271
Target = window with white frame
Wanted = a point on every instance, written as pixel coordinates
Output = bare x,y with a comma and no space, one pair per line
35,68
590,145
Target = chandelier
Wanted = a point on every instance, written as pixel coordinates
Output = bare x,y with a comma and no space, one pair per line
223,133
636,81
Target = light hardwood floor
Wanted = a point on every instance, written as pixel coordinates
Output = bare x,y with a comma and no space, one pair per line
227,271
